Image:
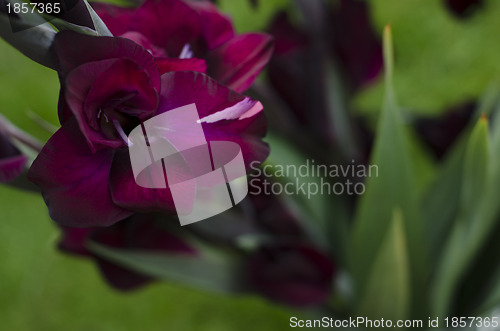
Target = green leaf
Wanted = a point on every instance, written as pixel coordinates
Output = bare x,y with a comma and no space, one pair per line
471,222
387,292
475,167
33,39
490,223
493,299
100,26
205,272
442,200
424,165
395,187
62,25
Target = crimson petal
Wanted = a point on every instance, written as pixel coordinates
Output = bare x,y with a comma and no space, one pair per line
74,49
144,42
217,28
79,83
73,240
116,18
75,182
169,24
126,193
238,62
183,88
140,232
194,64
295,274
355,42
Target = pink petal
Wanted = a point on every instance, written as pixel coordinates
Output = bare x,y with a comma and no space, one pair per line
75,182
238,62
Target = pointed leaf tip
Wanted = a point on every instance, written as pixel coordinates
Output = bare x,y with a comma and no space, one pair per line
484,118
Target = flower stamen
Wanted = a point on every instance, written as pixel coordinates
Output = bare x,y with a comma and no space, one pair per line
186,52
122,134
99,115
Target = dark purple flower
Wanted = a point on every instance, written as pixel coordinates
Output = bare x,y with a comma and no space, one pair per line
342,47
348,35
84,187
286,74
294,274
355,42
270,213
109,83
192,29
463,8
12,161
138,232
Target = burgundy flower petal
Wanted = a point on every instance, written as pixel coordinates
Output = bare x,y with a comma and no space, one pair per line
78,85
74,49
92,86
116,18
140,232
225,114
194,64
123,79
217,28
73,240
126,193
12,161
144,42
247,133
290,79
146,232
75,182
117,276
297,275
238,62
121,278
355,42
169,24
287,37
63,110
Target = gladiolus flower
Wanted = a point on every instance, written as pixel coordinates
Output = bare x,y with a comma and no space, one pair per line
192,29
139,232
87,187
294,274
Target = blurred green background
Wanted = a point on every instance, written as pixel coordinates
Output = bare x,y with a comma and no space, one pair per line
440,61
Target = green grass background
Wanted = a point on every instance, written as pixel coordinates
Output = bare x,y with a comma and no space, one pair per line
439,61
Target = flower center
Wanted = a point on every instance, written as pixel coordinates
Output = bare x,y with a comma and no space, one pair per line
121,133
118,120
